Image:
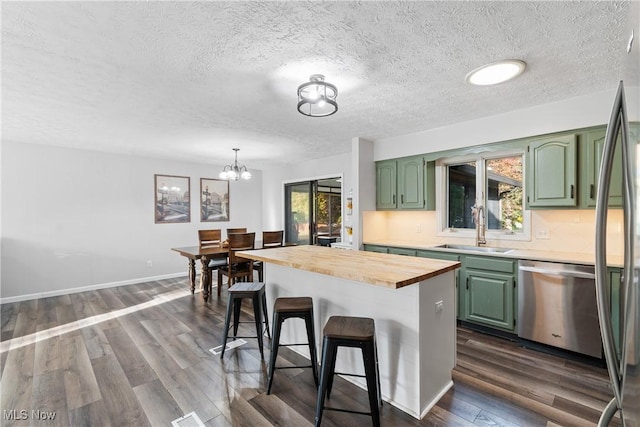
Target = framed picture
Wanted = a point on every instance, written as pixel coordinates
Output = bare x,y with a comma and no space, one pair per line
214,200
172,200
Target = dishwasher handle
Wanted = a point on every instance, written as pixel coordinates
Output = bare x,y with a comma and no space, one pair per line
562,273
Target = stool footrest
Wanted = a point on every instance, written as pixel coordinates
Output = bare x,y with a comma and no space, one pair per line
291,345
329,408
349,375
293,367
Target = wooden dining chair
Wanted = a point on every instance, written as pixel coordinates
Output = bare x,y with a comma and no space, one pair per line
212,239
235,231
237,267
270,239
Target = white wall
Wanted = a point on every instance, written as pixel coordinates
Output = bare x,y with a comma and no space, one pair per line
273,181
74,219
573,113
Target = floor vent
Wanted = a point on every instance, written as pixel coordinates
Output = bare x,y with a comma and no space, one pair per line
189,420
233,344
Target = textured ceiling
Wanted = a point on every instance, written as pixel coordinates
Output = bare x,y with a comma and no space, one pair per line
191,80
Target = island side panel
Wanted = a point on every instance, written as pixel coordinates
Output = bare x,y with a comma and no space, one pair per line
437,338
398,327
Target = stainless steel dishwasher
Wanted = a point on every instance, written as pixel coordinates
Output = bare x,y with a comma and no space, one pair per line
557,306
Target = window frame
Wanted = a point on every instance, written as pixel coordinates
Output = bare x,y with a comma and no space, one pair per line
442,191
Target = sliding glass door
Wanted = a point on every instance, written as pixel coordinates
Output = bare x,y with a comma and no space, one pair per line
299,213
312,209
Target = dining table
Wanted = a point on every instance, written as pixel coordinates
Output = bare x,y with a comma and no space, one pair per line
205,255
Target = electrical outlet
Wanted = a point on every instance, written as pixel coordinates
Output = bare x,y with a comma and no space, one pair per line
439,306
542,233
419,228
149,263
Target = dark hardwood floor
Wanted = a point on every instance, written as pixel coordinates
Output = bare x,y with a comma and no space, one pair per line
139,355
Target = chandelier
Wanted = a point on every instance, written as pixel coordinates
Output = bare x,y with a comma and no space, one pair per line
317,98
234,171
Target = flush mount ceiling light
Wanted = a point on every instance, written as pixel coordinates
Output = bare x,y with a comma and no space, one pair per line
317,98
496,72
234,171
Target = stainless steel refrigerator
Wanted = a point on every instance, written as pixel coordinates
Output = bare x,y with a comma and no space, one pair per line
624,368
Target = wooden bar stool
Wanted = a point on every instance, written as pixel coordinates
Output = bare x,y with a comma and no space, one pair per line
286,308
347,331
237,293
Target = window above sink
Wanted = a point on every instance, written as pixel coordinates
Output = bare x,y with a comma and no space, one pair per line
492,179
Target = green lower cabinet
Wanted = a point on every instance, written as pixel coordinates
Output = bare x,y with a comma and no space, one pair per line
489,299
376,248
615,285
488,296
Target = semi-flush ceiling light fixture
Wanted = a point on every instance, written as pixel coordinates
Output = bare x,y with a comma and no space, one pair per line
496,72
317,98
234,171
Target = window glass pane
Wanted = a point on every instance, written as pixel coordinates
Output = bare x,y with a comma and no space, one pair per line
461,184
329,214
504,202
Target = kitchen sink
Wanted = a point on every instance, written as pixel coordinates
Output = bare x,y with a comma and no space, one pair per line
475,248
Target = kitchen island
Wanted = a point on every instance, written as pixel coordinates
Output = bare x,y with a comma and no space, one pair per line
412,301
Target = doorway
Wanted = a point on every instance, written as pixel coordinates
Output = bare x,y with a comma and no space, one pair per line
313,211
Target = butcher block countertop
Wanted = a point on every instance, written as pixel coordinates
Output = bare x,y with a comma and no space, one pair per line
391,271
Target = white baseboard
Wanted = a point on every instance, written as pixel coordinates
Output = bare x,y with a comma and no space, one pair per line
88,288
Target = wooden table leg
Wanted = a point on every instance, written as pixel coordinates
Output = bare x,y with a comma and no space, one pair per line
192,275
206,278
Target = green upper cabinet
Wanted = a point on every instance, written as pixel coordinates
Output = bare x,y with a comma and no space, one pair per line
590,161
411,183
405,184
386,184
552,172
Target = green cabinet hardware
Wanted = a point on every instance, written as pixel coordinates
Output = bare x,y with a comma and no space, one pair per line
552,172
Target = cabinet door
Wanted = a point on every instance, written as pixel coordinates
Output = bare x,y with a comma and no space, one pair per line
430,186
591,165
386,184
552,172
489,299
411,183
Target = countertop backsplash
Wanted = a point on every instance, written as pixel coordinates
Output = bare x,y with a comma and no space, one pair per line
568,230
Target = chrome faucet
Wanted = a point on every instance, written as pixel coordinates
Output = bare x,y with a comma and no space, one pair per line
480,226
